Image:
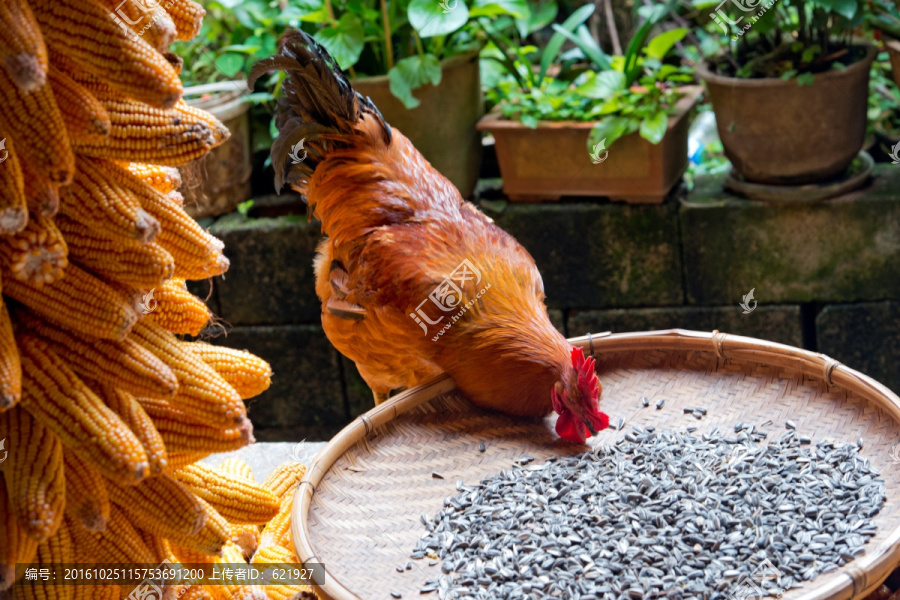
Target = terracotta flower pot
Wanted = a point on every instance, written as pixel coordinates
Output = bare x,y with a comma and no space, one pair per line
779,132
442,127
552,160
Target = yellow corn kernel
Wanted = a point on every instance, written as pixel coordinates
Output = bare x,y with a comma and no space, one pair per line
236,467
141,133
85,117
187,16
86,497
22,49
125,365
237,499
232,555
134,415
10,366
13,203
157,545
211,538
56,550
16,546
125,61
57,398
202,394
33,120
160,505
183,435
162,179
120,542
248,374
97,201
181,312
34,474
117,258
78,302
284,479
41,195
36,255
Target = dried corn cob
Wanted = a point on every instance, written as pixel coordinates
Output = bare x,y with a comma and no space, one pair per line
179,311
97,201
187,16
236,467
37,255
162,179
202,394
178,460
133,414
10,366
55,396
77,302
231,555
120,542
120,259
248,374
86,543
160,505
284,479
183,435
34,474
125,365
86,497
33,120
246,537
126,62
13,204
142,133
210,539
59,550
16,546
85,117
157,545
237,499
41,196
155,26
22,48
274,553
198,255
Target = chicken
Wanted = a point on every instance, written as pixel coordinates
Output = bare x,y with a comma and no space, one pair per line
415,281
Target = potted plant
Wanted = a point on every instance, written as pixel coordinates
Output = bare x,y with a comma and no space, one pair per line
885,16
884,109
790,91
418,61
583,123
235,35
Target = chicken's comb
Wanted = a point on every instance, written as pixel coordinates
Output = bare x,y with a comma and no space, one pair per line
587,379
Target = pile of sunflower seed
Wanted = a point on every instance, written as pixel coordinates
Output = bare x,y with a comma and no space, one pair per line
658,514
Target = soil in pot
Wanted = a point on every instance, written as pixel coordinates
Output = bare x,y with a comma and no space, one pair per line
442,127
780,132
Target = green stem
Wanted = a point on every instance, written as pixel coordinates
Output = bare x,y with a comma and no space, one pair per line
388,47
419,49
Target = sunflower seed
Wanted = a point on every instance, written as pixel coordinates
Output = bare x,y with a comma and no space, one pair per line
660,403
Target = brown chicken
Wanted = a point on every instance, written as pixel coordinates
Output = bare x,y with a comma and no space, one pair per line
415,281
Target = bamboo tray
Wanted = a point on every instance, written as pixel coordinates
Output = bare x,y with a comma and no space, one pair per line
357,510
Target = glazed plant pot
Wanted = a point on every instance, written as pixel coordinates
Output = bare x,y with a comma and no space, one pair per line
552,160
218,182
442,127
780,132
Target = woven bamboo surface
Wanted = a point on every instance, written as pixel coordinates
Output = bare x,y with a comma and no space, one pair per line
358,513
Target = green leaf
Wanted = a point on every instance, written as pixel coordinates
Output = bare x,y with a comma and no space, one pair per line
660,45
538,18
806,79
653,128
551,50
603,85
489,8
845,8
344,41
432,17
411,73
230,64
788,74
590,48
610,129
811,53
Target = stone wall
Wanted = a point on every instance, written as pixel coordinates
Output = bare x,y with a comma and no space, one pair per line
826,276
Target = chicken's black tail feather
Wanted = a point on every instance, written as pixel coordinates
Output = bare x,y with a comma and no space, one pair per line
318,106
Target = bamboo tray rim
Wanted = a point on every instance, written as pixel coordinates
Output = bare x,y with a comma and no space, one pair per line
860,577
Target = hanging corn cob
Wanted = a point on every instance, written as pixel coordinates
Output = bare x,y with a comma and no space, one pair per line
103,410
